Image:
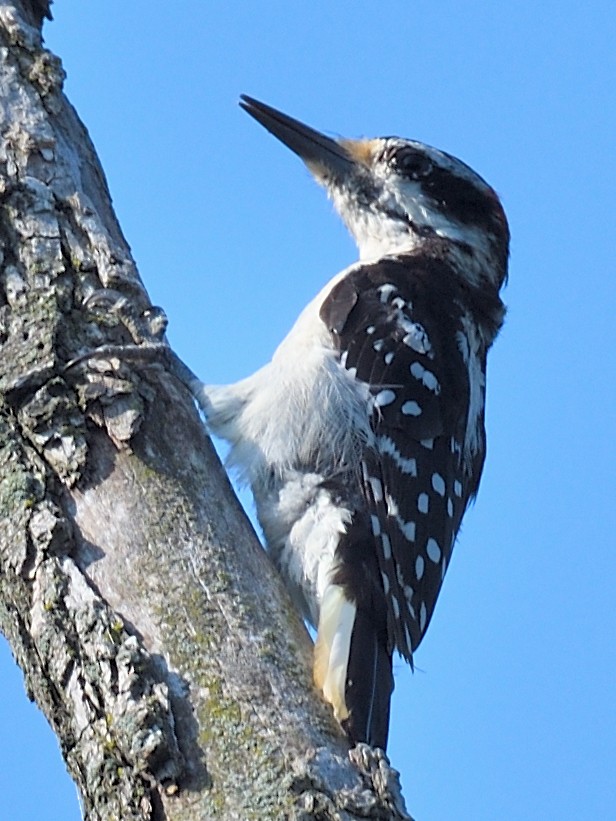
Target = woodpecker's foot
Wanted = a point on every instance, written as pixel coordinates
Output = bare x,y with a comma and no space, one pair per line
147,354
145,326
147,330
132,352
375,768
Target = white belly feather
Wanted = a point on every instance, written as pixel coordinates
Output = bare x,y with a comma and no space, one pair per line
321,410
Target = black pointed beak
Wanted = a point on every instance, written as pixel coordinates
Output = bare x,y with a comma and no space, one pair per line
326,158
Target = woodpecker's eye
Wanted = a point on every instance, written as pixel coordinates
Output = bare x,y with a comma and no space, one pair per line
411,163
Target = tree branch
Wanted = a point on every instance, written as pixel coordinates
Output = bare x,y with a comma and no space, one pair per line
149,623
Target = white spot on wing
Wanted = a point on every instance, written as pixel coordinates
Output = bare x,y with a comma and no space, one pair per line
411,408
386,546
423,503
431,382
377,488
386,445
383,398
433,551
407,528
416,369
438,483
419,567
416,337
426,377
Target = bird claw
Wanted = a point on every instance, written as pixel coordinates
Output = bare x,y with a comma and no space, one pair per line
148,325
147,329
144,353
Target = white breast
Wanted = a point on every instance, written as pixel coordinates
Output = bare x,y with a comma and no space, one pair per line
303,393
300,419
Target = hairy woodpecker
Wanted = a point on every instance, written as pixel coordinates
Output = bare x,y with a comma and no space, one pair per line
363,439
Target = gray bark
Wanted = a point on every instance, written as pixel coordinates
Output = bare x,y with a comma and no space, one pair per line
149,623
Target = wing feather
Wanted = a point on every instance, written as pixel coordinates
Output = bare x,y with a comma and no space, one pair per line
397,325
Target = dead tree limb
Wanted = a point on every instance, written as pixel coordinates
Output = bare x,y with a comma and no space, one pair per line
150,625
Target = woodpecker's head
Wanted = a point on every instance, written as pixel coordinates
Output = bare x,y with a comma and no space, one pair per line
396,195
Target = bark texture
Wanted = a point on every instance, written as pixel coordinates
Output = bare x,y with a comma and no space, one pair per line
150,625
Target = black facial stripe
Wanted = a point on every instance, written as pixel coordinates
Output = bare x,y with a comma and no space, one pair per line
460,199
418,229
456,196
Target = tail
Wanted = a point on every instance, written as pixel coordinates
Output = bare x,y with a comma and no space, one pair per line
353,668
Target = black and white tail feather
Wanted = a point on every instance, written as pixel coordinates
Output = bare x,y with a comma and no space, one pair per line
363,439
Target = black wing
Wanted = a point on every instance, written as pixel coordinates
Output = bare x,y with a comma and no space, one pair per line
400,327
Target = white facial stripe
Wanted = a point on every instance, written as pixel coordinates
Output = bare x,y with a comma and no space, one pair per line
386,230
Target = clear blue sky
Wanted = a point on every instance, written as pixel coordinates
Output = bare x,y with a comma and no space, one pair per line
512,714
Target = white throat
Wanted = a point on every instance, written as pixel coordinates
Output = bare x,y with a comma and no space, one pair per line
373,246
377,235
